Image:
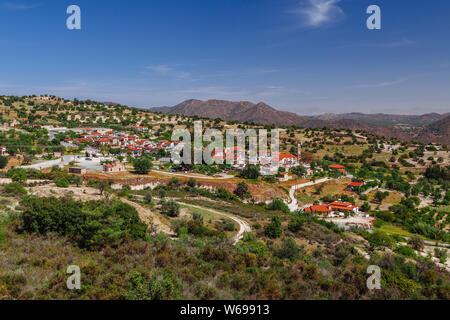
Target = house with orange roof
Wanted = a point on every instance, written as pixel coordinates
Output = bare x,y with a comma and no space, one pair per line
336,166
354,185
336,206
343,207
318,209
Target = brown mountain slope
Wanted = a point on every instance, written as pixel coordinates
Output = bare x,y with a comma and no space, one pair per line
382,119
240,111
262,113
438,131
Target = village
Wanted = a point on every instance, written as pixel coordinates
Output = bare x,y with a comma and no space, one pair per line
107,151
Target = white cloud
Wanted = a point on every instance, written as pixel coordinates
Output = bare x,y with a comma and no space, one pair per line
315,13
381,84
18,6
168,71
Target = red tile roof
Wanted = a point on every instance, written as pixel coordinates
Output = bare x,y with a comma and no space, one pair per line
336,166
319,208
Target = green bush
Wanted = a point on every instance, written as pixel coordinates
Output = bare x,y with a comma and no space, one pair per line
170,208
379,238
91,224
62,183
296,223
278,204
15,189
406,251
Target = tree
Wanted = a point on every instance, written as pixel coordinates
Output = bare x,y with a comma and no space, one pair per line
3,162
365,207
380,196
103,186
242,190
273,230
142,165
298,170
170,208
251,171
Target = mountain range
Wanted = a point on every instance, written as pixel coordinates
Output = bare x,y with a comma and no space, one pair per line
431,127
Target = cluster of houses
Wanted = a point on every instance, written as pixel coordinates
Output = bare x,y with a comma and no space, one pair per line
121,141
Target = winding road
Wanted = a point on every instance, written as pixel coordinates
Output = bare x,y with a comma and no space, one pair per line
243,225
293,206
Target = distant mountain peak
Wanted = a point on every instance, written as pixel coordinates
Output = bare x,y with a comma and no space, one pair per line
262,113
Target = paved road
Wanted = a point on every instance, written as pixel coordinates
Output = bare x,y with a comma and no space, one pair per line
293,206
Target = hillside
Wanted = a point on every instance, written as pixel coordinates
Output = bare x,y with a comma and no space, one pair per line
378,124
381,119
240,111
438,131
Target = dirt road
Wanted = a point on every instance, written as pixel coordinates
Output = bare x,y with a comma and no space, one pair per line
243,225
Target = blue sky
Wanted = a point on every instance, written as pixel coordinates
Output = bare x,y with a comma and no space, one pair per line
305,56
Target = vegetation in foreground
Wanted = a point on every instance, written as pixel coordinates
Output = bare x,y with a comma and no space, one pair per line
123,261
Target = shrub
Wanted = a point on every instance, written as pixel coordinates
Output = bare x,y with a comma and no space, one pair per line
288,250
406,251
296,223
378,238
278,204
15,188
416,243
170,208
62,183
91,224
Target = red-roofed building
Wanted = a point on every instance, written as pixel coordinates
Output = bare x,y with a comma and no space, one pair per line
336,166
287,160
343,206
336,206
318,209
354,185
